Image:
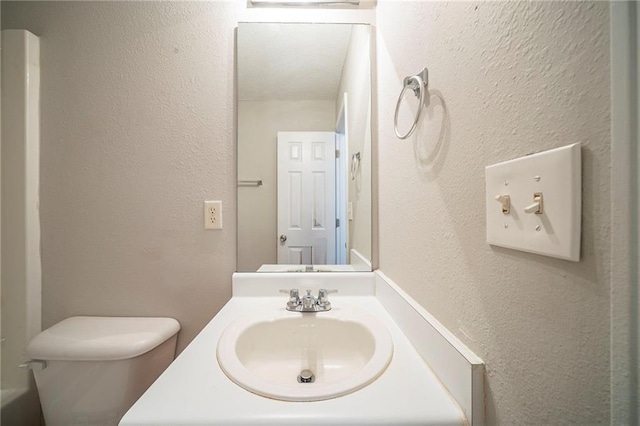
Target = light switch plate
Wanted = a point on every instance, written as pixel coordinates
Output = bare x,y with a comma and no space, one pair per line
557,175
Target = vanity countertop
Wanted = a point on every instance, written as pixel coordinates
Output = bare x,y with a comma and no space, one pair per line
195,391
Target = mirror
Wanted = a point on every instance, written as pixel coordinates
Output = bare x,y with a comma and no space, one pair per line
304,147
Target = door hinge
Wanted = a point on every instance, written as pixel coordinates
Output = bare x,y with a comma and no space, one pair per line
337,223
337,153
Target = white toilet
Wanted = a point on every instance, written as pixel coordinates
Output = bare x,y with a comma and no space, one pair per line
90,370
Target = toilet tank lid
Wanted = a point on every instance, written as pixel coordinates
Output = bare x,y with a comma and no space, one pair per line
101,338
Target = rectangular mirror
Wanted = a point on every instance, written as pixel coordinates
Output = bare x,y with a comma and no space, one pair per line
304,147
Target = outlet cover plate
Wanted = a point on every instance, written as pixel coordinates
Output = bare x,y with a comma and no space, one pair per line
213,215
557,175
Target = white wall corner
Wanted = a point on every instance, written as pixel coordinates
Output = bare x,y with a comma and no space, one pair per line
22,273
625,197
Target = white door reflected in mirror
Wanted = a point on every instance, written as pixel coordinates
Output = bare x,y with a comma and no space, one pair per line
306,198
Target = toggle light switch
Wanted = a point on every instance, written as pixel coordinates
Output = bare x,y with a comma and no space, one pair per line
505,202
536,207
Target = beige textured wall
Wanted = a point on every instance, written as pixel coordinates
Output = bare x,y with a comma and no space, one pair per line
515,77
258,125
137,130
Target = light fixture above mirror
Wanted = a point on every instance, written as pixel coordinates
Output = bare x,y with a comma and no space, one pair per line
305,2
304,121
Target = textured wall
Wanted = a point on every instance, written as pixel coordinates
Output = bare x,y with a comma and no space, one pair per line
506,79
137,130
258,125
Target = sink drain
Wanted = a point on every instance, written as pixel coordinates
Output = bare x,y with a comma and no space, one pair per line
306,376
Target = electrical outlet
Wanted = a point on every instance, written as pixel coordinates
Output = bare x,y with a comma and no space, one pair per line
213,215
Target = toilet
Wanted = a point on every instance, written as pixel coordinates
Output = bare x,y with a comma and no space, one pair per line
90,370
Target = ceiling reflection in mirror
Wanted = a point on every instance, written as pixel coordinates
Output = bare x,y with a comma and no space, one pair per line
304,147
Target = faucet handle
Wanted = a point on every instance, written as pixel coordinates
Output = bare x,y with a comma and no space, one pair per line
294,298
323,299
323,293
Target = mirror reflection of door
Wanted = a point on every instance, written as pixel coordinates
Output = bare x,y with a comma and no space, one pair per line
306,198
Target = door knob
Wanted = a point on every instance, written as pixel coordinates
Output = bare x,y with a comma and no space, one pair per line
283,238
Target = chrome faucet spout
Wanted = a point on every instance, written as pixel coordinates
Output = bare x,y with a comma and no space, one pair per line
308,302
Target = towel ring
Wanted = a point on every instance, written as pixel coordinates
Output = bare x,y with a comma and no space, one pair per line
417,83
355,165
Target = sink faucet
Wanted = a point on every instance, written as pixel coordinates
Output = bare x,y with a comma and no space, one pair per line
308,303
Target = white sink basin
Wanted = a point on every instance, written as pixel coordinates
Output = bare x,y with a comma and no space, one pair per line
266,352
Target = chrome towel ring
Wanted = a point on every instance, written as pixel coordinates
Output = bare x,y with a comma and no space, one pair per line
355,165
418,83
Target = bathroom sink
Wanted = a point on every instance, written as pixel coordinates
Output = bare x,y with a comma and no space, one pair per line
294,356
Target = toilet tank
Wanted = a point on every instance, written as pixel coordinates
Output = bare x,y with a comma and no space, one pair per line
95,368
